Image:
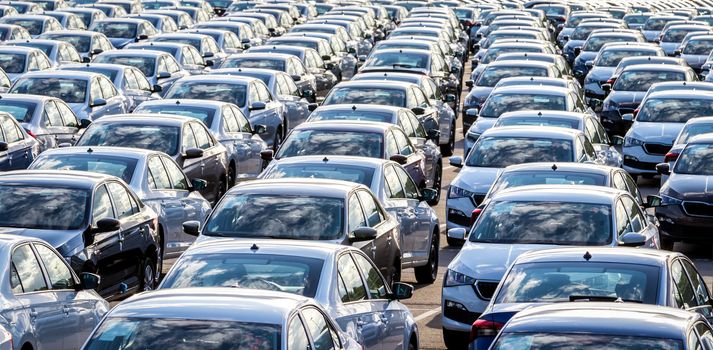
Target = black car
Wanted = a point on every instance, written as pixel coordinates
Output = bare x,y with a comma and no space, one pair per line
185,139
95,221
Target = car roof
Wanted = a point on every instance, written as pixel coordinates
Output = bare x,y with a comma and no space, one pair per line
405,51
121,20
298,186
604,318
60,178
262,55
113,66
693,85
560,167
222,78
277,47
346,125
18,49
215,303
74,32
599,255
64,74
145,119
27,98
134,52
559,193
387,84
187,102
700,120
536,81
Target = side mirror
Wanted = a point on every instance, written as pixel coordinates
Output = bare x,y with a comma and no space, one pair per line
142,37
3,146
107,225
628,117
469,83
351,50
88,281
192,153
157,88
434,135
457,233
677,52
267,154
86,59
478,35
96,51
455,70
577,51
565,38
652,201
97,102
84,123
312,107
245,41
456,161
259,129
450,98
208,55
401,291
296,77
418,110
257,105
367,36
192,228
589,64
399,158
163,75
476,47
428,194
209,63
663,168
472,112
606,88
632,239
198,184
326,57
617,140
362,234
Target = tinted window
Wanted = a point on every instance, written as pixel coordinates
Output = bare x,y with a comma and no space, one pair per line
543,341
28,269
178,178
349,276
492,76
373,214
157,138
124,205
297,338
145,64
22,111
263,63
684,293
674,110
331,142
642,80
524,178
57,270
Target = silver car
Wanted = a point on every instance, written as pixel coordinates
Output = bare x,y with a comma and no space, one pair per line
16,60
45,305
58,52
187,56
358,309
228,125
395,190
155,178
87,43
160,68
246,318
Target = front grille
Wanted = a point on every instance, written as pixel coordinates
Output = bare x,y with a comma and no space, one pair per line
657,148
485,290
458,219
698,209
477,199
639,165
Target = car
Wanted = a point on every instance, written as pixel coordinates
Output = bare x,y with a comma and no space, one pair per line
67,20
527,218
228,125
187,56
251,95
58,52
196,13
508,33
677,86
35,24
122,31
692,128
500,147
162,23
160,68
672,36
95,221
289,64
38,282
16,60
184,139
574,19
24,7
183,20
685,201
343,65
153,176
89,95
322,210
479,64
587,123
88,44
205,44
580,35
421,43
565,82
321,267
595,41
624,96
654,25
256,318
111,11
87,15
13,32
17,147
557,60
647,276
657,125
129,6
696,51
227,41
245,35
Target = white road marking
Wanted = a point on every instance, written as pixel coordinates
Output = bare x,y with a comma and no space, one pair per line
448,167
427,314
442,227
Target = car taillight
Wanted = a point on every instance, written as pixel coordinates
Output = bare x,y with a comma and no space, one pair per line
468,23
30,133
670,157
485,328
610,81
635,112
474,215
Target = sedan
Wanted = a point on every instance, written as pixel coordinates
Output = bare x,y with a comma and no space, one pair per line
307,209
313,63
596,41
205,44
37,285
17,148
87,43
122,31
160,68
58,52
187,56
35,24
16,61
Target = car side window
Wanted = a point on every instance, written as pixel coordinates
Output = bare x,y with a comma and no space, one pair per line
203,140
637,218
144,83
405,147
95,90
242,121
699,286
158,176
52,116
591,131
354,289
705,334
693,343
418,129
374,281
178,178
299,67
684,293
391,146
410,99
619,182
59,274
187,57
10,130
393,185
188,139
318,328
107,87
162,66
373,215
122,200
356,214
230,123
633,187
101,206
421,98
410,188
28,270
291,86
405,124
130,80
297,335
622,219
588,148
68,116
263,93
4,80
172,65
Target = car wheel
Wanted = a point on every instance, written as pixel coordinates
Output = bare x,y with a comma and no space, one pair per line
429,272
447,149
455,340
437,182
148,275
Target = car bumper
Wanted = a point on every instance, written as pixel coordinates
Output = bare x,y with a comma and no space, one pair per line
459,210
461,307
676,224
637,161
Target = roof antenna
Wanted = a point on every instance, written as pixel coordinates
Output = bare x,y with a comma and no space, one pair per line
554,167
539,114
325,159
587,256
178,102
254,247
354,108
90,150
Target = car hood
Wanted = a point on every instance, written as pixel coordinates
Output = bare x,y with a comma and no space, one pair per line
665,133
689,187
695,61
66,242
476,179
120,42
627,97
481,124
600,73
651,35
489,261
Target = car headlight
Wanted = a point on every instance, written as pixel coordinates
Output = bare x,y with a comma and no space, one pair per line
457,192
630,142
668,200
454,278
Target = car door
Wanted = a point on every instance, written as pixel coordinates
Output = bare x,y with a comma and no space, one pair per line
402,209
192,166
68,134
133,91
107,246
639,223
19,150
212,162
421,216
164,199
54,124
191,206
132,236
288,93
415,160
115,102
247,145
386,247
40,304
321,332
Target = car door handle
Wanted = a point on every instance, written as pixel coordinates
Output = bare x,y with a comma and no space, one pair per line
360,322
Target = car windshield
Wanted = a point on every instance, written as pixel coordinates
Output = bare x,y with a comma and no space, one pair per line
22,111
492,75
109,73
203,114
398,60
562,341
498,104
642,80
332,142
698,47
500,152
556,282
596,43
152,137
611,58
116,29
12,63
282,273
674,110
525,178
366,95
59,208
121,167
277,216
356,114
139,333
539,121
145,64
80,42
300,43
582,32
33,26
696,159
635,19
687,133
215,91
263,63
352,173
67,89
540,222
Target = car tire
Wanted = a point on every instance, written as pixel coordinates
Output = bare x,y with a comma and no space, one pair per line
455,340
455,242
448,149
437,183
220,190
148,275
428,273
